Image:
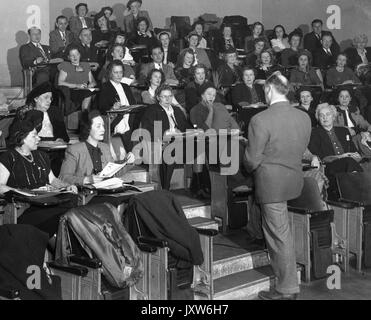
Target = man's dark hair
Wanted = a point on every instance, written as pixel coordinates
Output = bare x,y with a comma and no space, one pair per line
317,21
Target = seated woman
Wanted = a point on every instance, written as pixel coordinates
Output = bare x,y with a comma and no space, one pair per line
257,32
121,39
350,116
332,145
24,167
84,161
359,54
209,114
304,74
306,104
193,89
155,80
102,34
142,37
265,66
248,93
108,12
226,41
172,119
75,79
229,73
289,56
170,51
184,71
252,57
198,27
117,52
201,56
340,74
114,95
280,40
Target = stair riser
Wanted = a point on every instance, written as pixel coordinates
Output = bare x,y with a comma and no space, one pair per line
239,264
204,212
246,293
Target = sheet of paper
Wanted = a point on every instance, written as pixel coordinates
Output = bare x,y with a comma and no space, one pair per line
109,184
111,169
127,81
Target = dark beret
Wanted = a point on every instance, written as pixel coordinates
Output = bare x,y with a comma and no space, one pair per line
81,4
38,91
132,1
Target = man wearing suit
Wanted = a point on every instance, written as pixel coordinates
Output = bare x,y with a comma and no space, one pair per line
172,120
312,40
274,154
60,38
157,55
81,21
34,55
130,21
325,57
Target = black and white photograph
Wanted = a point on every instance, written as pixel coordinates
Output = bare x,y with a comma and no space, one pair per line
185,156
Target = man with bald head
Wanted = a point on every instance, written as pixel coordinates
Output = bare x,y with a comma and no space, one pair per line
35,55
278,138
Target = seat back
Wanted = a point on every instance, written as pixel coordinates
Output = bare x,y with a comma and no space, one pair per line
354,187
310,199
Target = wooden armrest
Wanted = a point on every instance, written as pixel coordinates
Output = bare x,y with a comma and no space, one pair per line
207,232
158,243
344,205
9,293
86,262
75,270
147,249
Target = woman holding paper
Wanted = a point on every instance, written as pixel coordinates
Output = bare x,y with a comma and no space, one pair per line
23,167
115,95
84,161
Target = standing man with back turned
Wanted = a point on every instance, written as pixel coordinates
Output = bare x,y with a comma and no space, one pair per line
278,138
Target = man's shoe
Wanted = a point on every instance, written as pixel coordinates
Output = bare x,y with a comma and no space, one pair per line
275,295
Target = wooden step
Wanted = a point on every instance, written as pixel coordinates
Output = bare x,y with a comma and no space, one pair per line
244,285
233,253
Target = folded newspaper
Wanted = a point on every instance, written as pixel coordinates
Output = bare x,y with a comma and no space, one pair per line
111,169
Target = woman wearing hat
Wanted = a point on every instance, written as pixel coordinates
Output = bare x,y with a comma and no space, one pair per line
80,21
229,72
24,167
304,74
131,20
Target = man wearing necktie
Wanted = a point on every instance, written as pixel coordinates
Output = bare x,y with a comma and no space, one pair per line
60,38
157,55
34,55
324,57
